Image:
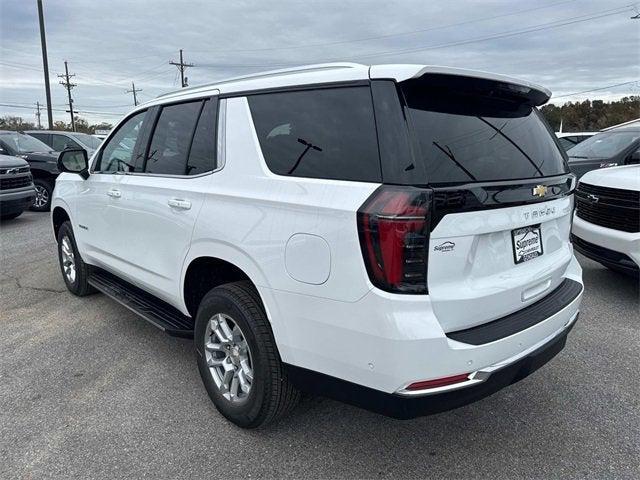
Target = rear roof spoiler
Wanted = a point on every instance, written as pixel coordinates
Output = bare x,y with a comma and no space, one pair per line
531,93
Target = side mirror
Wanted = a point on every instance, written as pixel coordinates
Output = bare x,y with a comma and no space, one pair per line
74,161
634,158
2,151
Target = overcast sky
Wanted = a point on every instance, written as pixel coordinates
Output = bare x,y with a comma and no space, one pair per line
567,46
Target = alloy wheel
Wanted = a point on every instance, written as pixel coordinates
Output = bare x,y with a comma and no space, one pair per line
228,357
42,196
68,260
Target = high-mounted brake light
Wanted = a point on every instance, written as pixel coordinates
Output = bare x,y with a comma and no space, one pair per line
393,225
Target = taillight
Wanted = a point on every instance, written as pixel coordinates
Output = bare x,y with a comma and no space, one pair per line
393,225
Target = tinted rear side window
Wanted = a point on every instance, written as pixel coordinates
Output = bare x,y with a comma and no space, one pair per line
465,137
171,139
326,133
203,149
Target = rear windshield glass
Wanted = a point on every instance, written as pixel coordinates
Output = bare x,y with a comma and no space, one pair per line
604,145
474,138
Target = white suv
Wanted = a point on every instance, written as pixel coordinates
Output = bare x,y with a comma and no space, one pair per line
606,226
394,236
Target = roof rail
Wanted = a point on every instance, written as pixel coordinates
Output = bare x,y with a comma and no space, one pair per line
269,73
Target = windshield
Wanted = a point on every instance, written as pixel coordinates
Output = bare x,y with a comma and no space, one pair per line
22,143
88,140
604,145
476,138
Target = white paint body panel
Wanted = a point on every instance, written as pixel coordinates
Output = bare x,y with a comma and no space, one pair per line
626,177
297,240
308,258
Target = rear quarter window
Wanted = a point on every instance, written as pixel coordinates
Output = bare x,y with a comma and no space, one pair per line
325,133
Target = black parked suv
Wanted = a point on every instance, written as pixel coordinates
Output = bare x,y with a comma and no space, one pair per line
620,146
16,187
41,159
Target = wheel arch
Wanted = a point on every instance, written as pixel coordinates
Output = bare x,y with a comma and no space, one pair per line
204,272
59,215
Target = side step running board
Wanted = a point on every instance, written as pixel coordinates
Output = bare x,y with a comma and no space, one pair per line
152,309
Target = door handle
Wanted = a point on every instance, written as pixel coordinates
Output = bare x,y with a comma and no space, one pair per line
114,193
179,203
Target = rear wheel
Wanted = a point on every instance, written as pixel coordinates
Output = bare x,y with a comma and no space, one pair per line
74,271
238,358
44,189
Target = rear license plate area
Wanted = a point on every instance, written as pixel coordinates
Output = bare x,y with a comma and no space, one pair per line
527,243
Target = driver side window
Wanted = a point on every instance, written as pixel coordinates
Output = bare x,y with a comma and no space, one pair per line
117,154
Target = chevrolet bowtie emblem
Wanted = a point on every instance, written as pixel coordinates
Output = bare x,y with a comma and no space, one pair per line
540,190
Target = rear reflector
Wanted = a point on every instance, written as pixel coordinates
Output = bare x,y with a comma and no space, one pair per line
439,382
393,225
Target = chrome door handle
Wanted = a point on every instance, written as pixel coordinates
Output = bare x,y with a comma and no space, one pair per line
114,193
179,203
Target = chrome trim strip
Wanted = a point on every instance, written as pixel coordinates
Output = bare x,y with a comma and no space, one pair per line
483,374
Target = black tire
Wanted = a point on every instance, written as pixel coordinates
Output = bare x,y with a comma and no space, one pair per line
47,186
10,216
271,394
79,285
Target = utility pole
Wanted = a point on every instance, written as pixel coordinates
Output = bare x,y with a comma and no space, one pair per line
182,67
134,90
66,83
45,64
38,115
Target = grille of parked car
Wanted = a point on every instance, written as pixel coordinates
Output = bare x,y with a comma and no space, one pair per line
15,182
3,171
609,207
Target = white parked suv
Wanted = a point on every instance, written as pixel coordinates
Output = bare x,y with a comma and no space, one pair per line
606,227
393,236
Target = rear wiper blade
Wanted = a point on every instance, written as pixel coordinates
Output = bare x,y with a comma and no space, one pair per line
452,157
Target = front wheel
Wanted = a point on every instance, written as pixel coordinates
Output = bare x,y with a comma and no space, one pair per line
238,358
44,190
74,271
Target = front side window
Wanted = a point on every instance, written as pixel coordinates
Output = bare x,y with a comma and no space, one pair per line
171,139
325,133
62,142
117,154
88,140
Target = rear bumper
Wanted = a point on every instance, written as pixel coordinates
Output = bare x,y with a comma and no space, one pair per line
402,406
385,342
602,244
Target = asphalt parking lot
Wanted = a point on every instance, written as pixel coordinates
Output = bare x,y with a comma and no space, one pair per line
88,389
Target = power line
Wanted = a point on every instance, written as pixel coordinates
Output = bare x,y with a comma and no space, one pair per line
30,106
390,35
596,89
512,33
182,66
66,83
